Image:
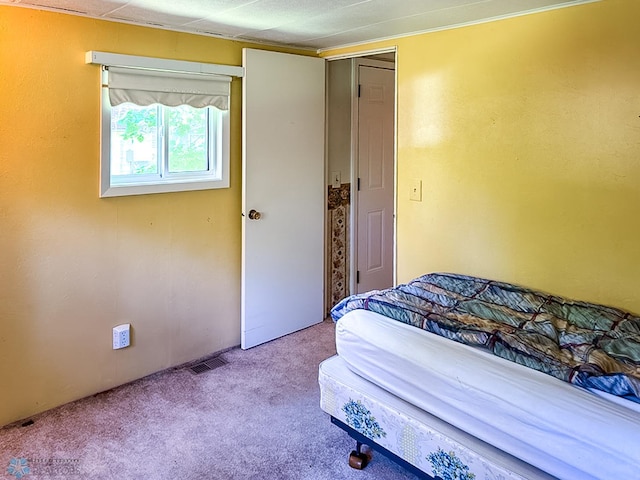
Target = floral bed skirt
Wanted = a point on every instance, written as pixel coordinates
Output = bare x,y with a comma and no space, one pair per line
421,439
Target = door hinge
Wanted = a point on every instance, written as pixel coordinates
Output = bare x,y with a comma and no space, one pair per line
359,90
358,276
358,184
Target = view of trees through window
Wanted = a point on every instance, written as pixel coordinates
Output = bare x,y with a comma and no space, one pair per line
158,139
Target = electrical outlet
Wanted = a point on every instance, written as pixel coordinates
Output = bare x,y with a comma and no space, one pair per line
121,336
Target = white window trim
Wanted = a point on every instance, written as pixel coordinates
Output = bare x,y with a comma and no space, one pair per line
107,189
167,185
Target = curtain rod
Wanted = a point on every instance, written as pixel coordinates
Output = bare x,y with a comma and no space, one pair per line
120,60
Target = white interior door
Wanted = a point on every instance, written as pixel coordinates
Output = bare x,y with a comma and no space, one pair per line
375,203
283,179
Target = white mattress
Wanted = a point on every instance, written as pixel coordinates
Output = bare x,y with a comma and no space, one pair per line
563,430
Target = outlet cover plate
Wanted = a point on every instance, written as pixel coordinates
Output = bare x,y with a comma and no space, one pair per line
121,336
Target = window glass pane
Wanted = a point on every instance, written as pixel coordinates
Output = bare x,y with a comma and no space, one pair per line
134,139
187,139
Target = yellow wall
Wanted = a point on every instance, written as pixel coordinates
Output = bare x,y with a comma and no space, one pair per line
72,265
526,135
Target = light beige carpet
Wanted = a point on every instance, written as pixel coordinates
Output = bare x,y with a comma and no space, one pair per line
258,417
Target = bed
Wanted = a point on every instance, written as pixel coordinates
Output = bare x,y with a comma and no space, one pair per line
462,378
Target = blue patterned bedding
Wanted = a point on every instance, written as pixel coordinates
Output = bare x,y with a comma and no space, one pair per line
588,345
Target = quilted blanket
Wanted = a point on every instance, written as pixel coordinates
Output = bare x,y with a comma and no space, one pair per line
588,345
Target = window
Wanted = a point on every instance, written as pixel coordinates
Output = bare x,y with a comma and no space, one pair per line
163,131
149,144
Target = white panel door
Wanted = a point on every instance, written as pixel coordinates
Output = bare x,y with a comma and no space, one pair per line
283,180
375,204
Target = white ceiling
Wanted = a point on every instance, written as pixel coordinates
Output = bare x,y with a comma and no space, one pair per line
312,24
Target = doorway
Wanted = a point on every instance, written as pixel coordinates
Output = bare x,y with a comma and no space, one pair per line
360,149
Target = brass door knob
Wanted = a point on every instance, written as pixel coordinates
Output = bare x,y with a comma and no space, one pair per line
254,215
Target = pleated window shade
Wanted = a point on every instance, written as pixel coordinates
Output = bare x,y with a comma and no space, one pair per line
146,87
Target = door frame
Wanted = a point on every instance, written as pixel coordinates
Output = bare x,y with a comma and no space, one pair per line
358,60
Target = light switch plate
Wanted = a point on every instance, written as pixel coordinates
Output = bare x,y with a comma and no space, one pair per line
416,190
335,179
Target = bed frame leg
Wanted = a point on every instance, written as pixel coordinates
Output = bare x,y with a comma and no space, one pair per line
357,459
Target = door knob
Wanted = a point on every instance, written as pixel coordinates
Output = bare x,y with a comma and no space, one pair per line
254,215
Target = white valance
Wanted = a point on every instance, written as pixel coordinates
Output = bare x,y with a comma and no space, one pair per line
146,87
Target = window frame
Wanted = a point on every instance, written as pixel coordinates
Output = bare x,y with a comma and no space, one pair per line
215,178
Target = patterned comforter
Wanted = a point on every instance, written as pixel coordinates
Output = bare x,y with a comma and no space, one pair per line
589,345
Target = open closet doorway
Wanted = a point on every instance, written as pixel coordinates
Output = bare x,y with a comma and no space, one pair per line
361,166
